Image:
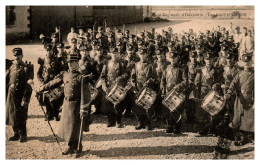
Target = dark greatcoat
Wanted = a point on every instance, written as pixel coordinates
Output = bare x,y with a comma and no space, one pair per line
243,84
70,118
18,75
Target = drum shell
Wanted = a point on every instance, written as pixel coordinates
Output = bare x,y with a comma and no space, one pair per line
173,100
214,105
146,98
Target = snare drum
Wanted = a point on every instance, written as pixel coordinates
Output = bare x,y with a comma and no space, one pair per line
213,103
146,98
116,94
55,93
173,100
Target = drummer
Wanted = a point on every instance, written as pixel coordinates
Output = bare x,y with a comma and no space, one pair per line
143,76
206,80
173,77
113,72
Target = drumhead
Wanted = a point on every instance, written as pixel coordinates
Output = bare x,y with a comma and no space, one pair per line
208,98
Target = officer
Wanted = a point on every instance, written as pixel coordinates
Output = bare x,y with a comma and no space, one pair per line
75,104
49,68
243,84
143,76
173,77
19,94
113,72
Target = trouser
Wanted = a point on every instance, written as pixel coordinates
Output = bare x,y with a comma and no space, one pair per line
190,110
19,127
98,102
114,112
129,102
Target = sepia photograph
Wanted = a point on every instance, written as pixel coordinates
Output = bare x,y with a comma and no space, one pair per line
129,82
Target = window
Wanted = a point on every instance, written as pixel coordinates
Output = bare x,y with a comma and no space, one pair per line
10,15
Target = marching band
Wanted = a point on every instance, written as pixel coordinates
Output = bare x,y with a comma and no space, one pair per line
208,76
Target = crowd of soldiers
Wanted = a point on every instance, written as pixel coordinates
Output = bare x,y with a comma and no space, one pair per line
148,67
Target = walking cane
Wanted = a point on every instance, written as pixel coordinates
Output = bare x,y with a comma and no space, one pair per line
78,152
45,115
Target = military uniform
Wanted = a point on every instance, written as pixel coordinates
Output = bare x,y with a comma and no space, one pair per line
73,103
192,67
173,77
18,96
49,68
112,72
141,75
243,84
206,79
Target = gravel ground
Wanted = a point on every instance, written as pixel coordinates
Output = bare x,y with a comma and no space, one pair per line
124,143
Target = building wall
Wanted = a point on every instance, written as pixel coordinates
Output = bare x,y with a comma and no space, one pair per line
21,21
118,15
204,12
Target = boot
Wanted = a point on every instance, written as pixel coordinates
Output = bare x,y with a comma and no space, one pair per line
15,137
140,125
22,138
148,125
111,121
118,122
68,151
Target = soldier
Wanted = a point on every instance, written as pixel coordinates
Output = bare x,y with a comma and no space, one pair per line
173,77
71,35
49,68
73,47
206,79
113,72
190,102
61,56
97,65
56,37
143,76
75,105
19,94
243,120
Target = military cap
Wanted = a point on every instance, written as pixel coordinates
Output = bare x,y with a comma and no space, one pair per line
73,57
48,47
112,49
158,52
60,45
207,31
244,27
208,55
127,32
17,51
74,40
246,57
193,54
170,44
142,50
131,36
99,48
237,28
94,42
229,55
152,29
129,47
173,54
169,29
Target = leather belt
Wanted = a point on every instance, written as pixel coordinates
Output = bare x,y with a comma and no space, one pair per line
71,99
